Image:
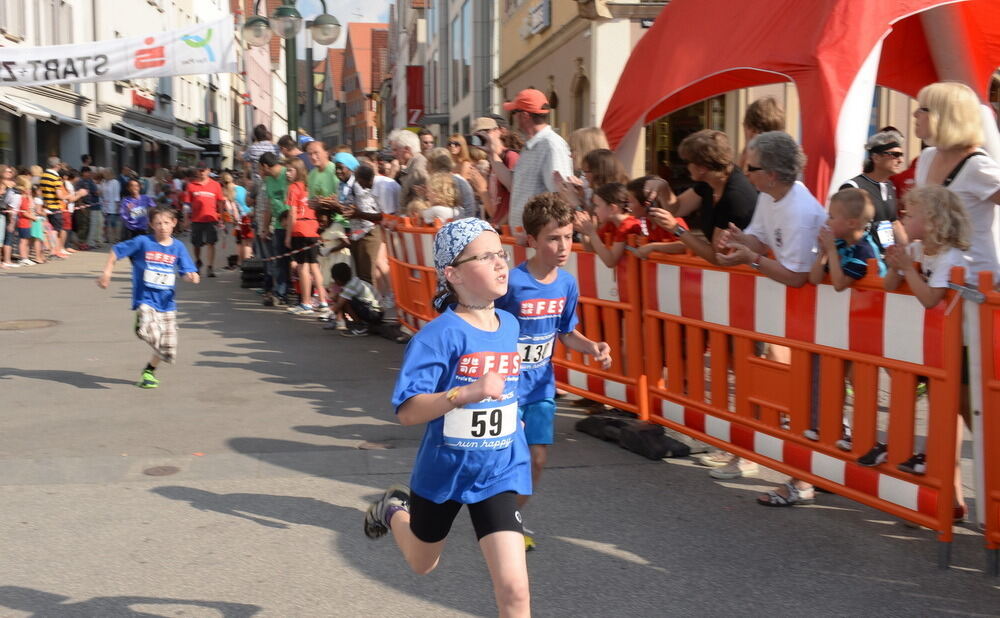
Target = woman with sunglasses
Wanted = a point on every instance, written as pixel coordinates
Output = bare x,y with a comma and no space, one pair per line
884,160
466,168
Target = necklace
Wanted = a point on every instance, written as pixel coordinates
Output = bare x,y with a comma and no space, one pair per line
488,305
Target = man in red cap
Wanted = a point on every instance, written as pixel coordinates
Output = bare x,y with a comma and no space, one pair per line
544,154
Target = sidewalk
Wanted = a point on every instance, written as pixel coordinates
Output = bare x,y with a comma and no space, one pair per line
272,434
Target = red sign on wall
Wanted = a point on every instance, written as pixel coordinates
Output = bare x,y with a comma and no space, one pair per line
414,95
141,100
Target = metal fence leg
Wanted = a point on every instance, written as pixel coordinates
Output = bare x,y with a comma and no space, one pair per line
944,554
993,562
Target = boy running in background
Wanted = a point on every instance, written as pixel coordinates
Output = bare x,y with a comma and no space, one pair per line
157,259
543,298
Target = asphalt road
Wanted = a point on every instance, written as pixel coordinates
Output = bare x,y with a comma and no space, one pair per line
271,435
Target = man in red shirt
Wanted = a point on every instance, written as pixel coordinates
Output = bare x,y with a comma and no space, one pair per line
207,203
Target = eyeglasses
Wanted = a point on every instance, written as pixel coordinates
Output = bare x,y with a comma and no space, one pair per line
503,256
753,168
454,144
895,154
926,110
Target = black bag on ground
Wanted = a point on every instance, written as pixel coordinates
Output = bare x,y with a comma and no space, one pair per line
252,266
606,425
648,440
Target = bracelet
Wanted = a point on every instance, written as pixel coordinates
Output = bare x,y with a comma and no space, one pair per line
451,394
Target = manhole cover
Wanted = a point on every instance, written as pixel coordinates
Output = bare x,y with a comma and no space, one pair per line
26,324
374,446
161,471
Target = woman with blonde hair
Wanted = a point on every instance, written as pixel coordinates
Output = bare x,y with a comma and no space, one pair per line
584,140
466,168
442,193
948,119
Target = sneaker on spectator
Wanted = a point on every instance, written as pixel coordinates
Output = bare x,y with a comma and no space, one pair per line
737,468
876,456
322,310
302,309
26,262
376,522
811,434
715,459
917,464
845,444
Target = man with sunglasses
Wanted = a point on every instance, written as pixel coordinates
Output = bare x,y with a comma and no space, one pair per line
544,154
884,160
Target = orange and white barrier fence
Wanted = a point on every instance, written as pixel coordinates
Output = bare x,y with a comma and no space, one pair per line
986,420
686,337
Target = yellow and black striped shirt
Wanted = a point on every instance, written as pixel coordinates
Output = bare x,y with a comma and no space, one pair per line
50,181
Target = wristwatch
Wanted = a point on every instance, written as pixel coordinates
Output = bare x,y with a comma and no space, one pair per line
755,264
679,231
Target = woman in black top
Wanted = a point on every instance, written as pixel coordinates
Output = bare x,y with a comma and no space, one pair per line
885,160
720,195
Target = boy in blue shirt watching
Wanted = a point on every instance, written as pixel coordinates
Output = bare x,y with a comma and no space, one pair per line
157,259
846,244
543,298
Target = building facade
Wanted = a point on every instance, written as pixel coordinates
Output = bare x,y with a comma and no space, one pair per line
366,57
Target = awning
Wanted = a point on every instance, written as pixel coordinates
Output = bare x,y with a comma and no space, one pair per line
20,107
161,137
120,139
60,118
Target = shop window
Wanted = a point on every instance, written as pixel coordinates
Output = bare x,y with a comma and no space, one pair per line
665,133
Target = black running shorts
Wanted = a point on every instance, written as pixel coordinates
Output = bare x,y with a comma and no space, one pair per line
431,522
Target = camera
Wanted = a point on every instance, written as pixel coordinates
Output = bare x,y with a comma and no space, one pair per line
477,140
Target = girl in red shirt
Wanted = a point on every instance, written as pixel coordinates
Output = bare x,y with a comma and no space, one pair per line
615,220
658,239
304,239
26,217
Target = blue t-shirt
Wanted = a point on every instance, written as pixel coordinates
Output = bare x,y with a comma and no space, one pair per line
240,193
543,311
477,451
854,258
155,268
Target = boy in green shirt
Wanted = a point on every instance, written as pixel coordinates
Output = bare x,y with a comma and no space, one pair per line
277,271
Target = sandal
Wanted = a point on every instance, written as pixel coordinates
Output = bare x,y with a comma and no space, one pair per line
794,498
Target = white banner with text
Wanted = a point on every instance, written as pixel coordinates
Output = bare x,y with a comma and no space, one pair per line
203,48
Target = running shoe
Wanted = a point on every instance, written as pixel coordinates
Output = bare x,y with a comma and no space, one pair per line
876,456
529,539
27,262
302,309
148,380
917,464
322,310
211,271
376,524
715,459
355,331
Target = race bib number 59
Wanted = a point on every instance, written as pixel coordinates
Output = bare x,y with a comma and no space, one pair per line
486,428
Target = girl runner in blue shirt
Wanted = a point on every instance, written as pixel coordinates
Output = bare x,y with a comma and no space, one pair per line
459,376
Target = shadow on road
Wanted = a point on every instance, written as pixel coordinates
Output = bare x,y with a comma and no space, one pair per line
74,378
48,605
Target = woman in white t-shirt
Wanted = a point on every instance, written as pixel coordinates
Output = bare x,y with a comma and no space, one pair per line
949,120
786,221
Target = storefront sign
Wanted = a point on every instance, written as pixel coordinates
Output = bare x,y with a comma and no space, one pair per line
414,94
141,100
204,48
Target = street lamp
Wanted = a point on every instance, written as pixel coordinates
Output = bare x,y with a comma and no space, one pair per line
286,22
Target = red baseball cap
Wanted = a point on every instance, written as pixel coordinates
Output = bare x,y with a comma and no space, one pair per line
529,100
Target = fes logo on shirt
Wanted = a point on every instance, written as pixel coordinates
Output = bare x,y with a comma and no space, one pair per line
540,307
480,363
161,258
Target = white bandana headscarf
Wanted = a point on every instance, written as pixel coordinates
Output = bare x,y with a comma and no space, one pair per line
449,242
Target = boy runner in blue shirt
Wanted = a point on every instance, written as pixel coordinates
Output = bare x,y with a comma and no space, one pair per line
157,259
543,298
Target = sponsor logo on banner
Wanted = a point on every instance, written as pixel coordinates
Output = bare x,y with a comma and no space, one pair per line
150,57
198,42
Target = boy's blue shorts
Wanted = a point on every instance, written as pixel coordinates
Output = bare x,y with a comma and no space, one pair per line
539,421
